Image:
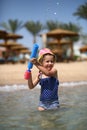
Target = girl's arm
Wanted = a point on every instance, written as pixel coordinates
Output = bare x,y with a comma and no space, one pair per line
32,84
52,72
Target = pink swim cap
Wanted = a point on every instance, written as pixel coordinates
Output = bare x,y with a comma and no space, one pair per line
43,52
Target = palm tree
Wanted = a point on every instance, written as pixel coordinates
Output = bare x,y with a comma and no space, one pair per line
71,27
51,25
12,26
34,28
81,11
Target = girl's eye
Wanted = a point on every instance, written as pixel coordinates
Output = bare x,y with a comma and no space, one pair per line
49,61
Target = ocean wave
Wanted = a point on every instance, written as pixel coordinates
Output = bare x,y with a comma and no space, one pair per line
13,87
9,88
68,84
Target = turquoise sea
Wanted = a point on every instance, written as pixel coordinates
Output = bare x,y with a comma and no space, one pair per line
18,108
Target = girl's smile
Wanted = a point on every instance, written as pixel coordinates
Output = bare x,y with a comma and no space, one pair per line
48,62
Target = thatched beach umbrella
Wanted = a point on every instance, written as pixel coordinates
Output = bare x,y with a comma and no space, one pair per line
9,44
9,39
55,45
13,36
2,34
61,33
25,51
57,51
20,47
63,41
9,36
83,49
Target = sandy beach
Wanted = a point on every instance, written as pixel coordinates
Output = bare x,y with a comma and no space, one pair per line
67,72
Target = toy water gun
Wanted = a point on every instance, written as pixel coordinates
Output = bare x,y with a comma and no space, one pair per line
30,65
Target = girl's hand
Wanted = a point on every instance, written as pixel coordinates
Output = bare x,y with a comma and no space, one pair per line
34,61
39,75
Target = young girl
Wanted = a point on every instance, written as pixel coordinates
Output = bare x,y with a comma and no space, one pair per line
47,78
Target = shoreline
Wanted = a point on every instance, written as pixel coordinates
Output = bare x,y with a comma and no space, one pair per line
23,87
70,83
67,72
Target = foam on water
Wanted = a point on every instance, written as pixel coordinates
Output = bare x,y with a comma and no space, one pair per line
69,84
14,87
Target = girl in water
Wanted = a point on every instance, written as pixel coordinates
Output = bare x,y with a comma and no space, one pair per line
47,78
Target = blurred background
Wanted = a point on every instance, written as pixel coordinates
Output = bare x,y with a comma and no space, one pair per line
23,23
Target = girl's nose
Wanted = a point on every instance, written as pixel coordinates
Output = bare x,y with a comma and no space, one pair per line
50,62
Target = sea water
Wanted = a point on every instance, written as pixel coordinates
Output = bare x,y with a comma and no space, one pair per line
18,108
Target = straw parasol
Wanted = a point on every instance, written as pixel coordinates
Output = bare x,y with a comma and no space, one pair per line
61,33
83,49
9,44
2,34
57,47
57,51
11,48
26,51
12,36
20,47
63,41
6,36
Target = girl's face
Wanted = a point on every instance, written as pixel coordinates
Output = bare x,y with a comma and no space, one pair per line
48,61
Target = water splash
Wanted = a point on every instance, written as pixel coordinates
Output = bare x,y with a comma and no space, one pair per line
55,13
51,7
57,3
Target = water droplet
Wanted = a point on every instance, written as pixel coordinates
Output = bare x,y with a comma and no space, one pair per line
54,13
57,3
48,9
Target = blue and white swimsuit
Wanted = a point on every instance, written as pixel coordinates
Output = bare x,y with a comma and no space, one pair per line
49,93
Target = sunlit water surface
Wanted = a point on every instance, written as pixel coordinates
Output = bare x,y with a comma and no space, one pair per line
18,109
